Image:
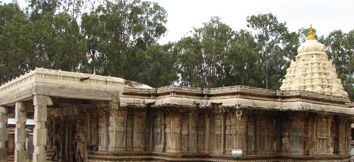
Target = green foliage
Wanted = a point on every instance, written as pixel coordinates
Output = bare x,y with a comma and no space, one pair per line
200,58
276,45
119,38
15,44
242,63
153,66
340,48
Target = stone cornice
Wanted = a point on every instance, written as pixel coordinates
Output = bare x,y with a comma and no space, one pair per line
242,96
62,84
56,83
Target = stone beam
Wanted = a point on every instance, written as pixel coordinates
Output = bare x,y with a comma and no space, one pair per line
40,104
3,134
20,132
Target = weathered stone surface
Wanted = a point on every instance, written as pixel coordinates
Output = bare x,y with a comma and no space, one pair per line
40,129
20,132
40,137
3,134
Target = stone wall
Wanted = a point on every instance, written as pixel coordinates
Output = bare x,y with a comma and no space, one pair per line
183,134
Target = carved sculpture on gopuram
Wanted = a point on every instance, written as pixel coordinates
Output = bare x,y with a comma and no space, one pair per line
110,119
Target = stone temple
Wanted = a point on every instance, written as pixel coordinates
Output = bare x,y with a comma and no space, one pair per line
90,118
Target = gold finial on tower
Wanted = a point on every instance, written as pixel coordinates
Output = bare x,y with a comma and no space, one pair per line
311,34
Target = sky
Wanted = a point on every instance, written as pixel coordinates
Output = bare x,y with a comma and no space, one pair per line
324,15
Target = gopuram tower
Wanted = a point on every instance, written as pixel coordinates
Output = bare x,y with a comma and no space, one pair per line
312,71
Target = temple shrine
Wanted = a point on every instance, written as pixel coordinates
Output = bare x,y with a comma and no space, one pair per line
90,118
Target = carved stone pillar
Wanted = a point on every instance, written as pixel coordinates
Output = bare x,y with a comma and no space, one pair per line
222,132
117,127
201,133
207,139
103,131
251,134
40,130
168,132
240,131
176,132
158,132
20,132
343,133
193,142
230,132
3,134
185,132
323,143
173,132
139,125
219,128
310,134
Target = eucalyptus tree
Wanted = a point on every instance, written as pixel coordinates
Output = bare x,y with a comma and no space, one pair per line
200,57
340,48
16,45
277,47
119,35
242,63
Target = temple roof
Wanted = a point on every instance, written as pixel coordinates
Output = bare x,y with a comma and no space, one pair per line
58,85
312,71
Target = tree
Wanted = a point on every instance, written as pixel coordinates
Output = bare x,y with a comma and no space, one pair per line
50,41
59,43
153,66
340,47
113,30
277,47
242,61
15,42
200,57
74,8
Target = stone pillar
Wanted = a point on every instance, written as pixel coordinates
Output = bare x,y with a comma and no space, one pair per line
40,131
103,131
207,139
219,132
20,132
3,134
222,149
193,139
176,131
139,126
117,127
240,131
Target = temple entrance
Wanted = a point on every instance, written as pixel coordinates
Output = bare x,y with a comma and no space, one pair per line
72,130
64,139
